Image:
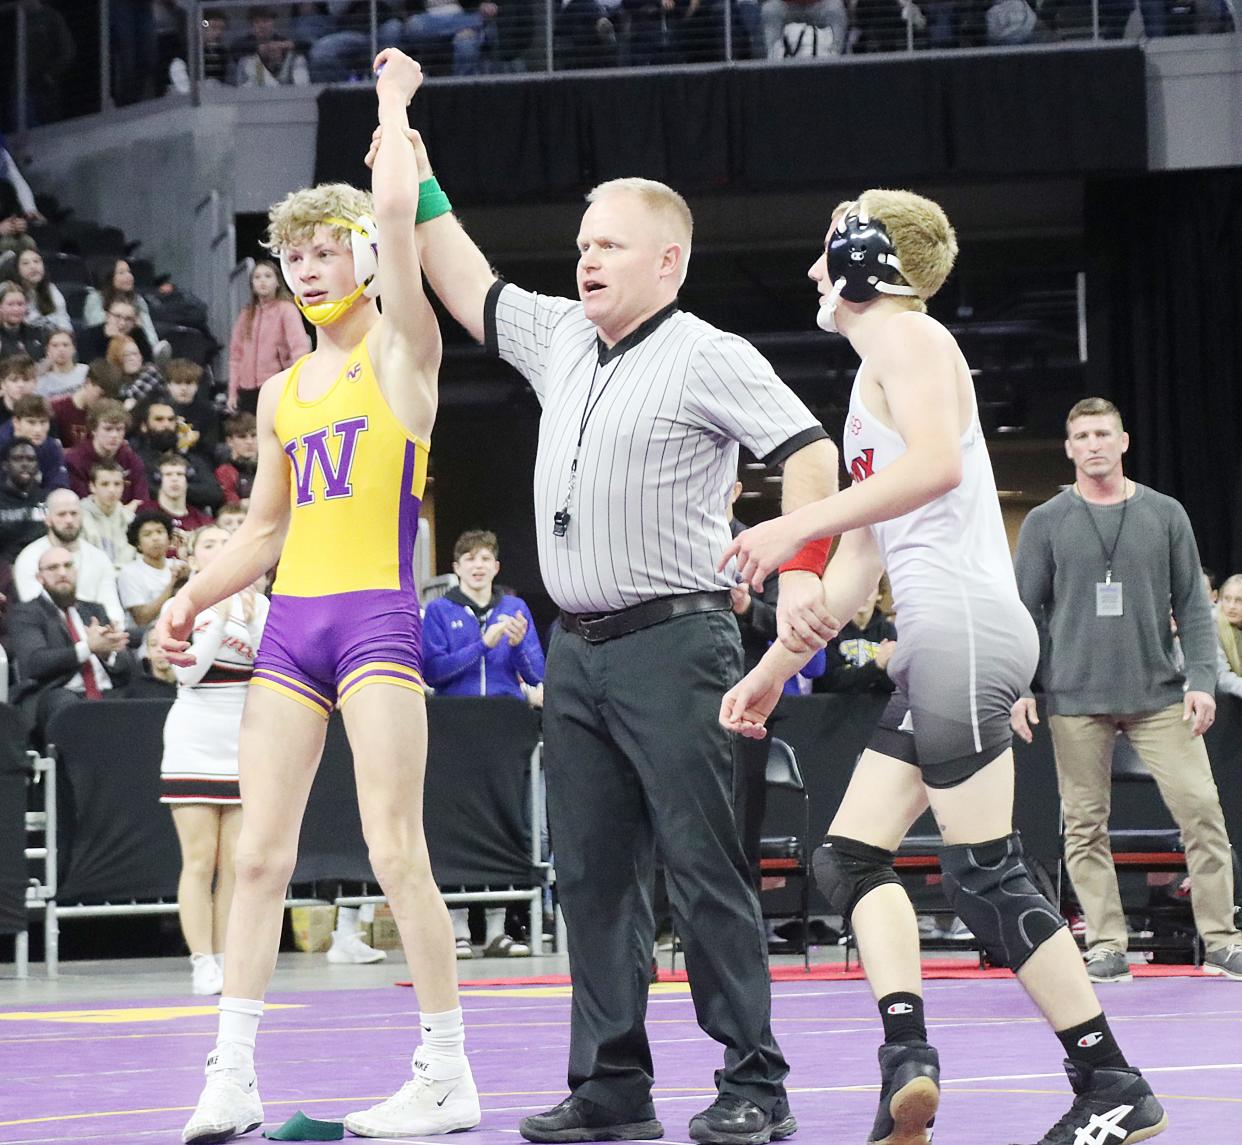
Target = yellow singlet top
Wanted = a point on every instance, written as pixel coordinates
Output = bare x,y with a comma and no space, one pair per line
355,488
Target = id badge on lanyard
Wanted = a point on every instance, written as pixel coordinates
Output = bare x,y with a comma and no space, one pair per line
1108,601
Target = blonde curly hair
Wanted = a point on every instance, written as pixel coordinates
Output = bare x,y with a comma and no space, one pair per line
293,220
922,236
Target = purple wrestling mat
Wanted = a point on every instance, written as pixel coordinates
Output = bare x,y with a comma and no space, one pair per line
131,1072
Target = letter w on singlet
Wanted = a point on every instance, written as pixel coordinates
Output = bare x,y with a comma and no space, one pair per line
311,450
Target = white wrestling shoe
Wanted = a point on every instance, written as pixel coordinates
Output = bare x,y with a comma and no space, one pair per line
422,1107
352,948
229,1105
207,975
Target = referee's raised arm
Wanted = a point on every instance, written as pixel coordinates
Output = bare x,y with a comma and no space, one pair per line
458,271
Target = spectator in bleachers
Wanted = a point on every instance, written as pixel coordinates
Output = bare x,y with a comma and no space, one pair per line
198,421
171,499
66,646
17,202
94,576
230,515
140,381
60,372
458,27
105,519
479,641
32,417
106,421
121,319
157,438
826,14
268,336
146,583
45,305
1228,626
199,770
158,680
117,285
340,39
22,512
17,380
70,411
17,335
886,25
858,655
236,473
216,53
585,35
267,59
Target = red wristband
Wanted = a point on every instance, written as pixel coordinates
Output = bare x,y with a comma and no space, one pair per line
812,557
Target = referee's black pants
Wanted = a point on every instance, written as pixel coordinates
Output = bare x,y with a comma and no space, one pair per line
636,757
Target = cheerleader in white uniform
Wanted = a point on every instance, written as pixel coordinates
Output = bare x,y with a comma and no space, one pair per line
199,770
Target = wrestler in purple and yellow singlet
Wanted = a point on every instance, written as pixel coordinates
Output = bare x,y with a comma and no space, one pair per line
344,606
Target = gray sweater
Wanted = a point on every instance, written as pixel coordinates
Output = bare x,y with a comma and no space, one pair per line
1124,664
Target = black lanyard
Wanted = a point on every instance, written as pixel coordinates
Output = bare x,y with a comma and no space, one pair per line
560,519
1108,553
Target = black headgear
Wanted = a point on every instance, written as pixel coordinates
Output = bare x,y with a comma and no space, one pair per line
862,263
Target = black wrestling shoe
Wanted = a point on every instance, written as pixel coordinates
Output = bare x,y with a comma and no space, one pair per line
732,1120
909,1094
1111,1107
577,1119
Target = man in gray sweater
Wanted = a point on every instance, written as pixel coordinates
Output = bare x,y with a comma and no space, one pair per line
1101,567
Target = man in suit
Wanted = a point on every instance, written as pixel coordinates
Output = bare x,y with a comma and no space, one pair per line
66,649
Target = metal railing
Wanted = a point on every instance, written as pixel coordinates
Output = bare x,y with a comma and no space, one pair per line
88,62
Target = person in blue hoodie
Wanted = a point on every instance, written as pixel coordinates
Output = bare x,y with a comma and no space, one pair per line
480,641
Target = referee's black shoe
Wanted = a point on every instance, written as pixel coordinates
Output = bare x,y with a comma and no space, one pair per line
909,1094
577,1119
732,1120
1111,1107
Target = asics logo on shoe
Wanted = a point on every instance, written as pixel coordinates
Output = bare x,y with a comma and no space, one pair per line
1089,1040
1100,1129
901,1008
447,1095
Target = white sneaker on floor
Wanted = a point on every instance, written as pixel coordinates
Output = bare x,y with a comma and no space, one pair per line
351,948
229,1105
422,1107
207,975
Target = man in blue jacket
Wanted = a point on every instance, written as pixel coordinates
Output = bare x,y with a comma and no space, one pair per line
478,641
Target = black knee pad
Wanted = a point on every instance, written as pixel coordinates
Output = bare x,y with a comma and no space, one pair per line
846,869
990,888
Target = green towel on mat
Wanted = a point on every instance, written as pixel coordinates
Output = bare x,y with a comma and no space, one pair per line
299,1127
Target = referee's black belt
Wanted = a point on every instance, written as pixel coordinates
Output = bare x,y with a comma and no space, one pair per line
596,627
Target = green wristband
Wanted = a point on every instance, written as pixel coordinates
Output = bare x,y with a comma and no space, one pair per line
432,202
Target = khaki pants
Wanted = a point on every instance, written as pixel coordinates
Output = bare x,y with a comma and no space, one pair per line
1179,764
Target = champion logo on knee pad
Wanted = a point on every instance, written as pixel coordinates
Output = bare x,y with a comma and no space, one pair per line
903,1008
1089,1040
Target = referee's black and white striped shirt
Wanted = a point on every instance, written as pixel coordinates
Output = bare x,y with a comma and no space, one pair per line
659,452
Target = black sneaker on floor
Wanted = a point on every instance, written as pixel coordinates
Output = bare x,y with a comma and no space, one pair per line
1111,1107
732,1120
909,1094
577,1119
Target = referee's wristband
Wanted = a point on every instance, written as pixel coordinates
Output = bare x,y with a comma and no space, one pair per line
432,202
812,557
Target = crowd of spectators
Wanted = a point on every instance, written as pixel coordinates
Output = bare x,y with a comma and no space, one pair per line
297,43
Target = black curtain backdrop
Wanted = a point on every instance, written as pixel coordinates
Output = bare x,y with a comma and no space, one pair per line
1164,322
1066,111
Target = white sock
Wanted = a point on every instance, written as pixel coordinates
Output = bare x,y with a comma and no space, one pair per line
461,923
366,913
444,1042
495,916
346,920
239,1022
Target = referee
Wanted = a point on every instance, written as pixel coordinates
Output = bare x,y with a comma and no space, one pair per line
643,409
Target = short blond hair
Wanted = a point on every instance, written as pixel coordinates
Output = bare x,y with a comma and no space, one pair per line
1093,407
921,233
293,220
663,202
